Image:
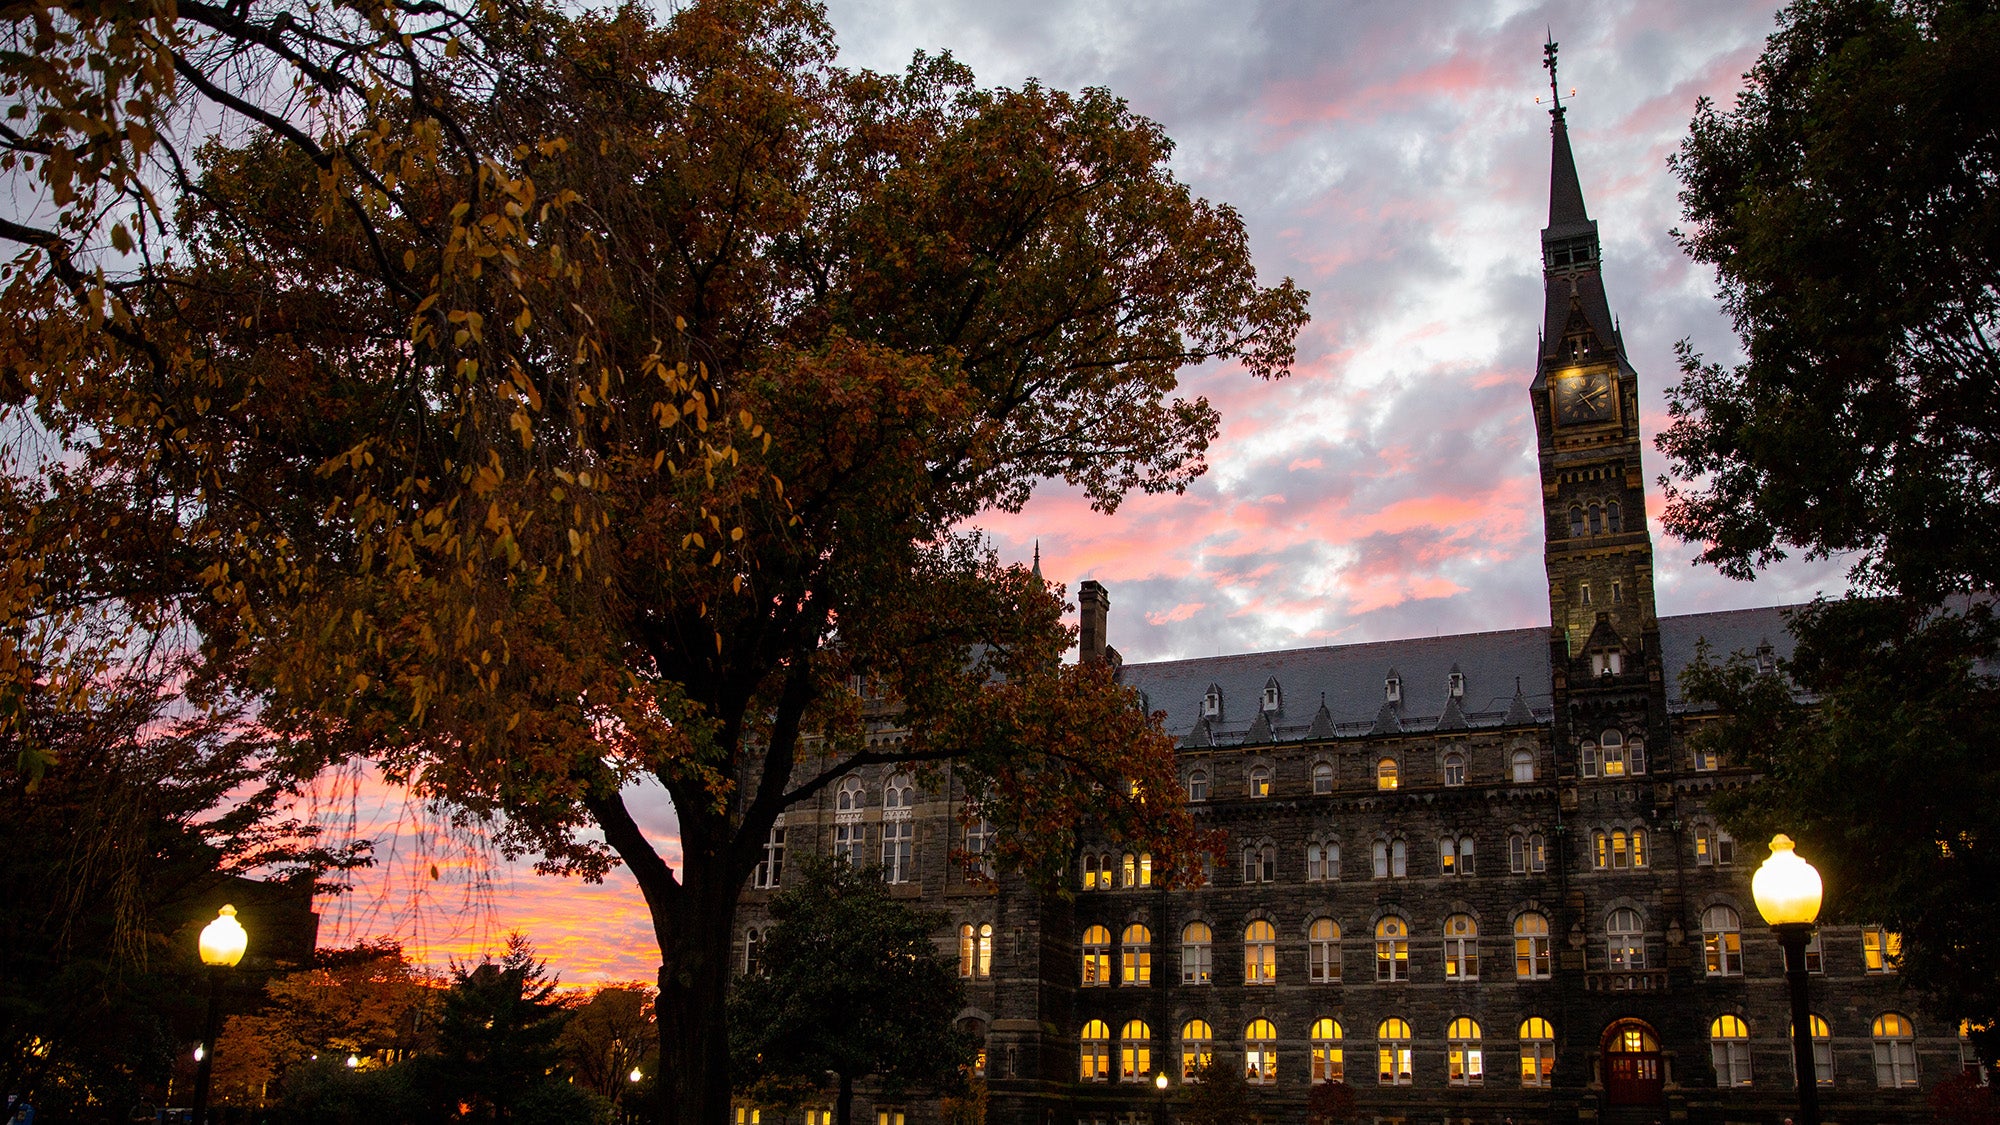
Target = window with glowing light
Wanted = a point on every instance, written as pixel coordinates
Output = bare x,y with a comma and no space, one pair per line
1386,774
1881,950
1197,953
1328,1061
1392,1040
1895,1052
1625,941
1465,1060
1096,947
1197,1048
1094,1055
1722,941
1136,956
1729,1051
1392,950
1822,1051
1531,947
1323,951
1538,1053
1260,1053
1260,953
1461,948
1135,1052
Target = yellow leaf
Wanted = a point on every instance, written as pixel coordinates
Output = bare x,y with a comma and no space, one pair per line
575,542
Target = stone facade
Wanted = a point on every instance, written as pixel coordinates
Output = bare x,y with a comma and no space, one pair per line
1437,845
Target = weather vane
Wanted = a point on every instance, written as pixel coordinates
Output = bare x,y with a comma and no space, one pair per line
1549,64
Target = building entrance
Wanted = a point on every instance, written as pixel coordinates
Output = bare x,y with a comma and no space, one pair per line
1632,1071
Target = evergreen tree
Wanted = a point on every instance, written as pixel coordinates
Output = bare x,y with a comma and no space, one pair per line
498,1028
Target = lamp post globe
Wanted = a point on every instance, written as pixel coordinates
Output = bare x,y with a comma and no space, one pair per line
1788,893
222,944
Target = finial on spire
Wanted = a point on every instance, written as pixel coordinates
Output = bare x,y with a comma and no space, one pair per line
1038,558
1549,64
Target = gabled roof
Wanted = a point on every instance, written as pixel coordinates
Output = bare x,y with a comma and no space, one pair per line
1349,678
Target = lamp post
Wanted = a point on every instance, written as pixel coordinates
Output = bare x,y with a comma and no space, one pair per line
1787,890
1160,1084
222,945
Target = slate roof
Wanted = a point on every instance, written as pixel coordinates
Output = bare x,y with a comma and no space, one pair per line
1350,680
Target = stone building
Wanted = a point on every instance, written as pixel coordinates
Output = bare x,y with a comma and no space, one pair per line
1474,877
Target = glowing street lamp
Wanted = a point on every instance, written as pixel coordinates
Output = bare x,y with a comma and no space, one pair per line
1788,892
222,944
635,1075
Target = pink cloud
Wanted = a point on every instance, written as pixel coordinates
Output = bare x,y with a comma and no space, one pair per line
1180,612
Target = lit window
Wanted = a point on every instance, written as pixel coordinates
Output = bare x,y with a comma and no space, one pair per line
1094,1060
1135,1052
1612,747
746,1115
1322,863
1524,766
1131,871
1328,1063
1625,943
1136,955
1822,1049
1385,774
1392,950
1881,950
1322,778
1722,941
1197,785
1729,1049
1531,947
1260,781
1815,955
1454,769
1464,1060
1704,845
1260,1053
753,953
1197,953
1323,951
1895,1052
1461,948
1096,957
1538,1052
898,842
1706,759
1260,953
1197,1047
771,867
887,1117
1393,1053
968,949
1455,856
983,962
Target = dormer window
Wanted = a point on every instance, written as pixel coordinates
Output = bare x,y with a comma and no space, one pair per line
1211,704
1767,659
1455,684
1271,695
1392,688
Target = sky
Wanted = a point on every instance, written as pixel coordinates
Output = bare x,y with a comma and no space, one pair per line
1392,159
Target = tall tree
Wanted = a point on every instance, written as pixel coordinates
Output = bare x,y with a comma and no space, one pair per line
498,1025
611,396
1850,204
853,985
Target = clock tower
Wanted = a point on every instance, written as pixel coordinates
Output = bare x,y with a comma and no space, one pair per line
1604,634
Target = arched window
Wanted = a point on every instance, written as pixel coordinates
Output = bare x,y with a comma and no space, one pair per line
1895,1052
1197,785
1393,1053
1096,957
848,797
1465,1061
1524,766
1538,1052
1454,769
1322,862
1392,949
1260,863
847,826
1527,854
1822,1049
1392,859
1531,947
1091,875
1197,1047
1260,953
1130,869
1323,951
1135,1052
1461,948
1322,778
1729,1048
1596,519
1260,781
968,950
1455,855
1613,519
1625,943
1576,523
983,961
753,952
1094,1057
1136,957
1197,953
899,794
1722,941
1612,746
1260,1053
1328,1063
1385,774
1639,856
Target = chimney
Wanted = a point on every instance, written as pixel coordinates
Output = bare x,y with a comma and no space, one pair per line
1096,608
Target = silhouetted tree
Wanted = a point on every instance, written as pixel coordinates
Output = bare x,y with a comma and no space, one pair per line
498,1026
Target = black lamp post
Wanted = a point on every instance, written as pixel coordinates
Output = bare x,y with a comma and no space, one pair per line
222,945
1787,890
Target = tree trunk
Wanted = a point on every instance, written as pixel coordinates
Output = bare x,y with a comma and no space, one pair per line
843,1106
694,988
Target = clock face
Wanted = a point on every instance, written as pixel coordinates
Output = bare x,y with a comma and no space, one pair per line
1583,396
